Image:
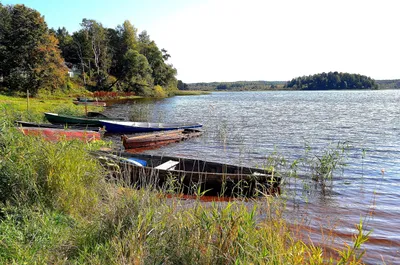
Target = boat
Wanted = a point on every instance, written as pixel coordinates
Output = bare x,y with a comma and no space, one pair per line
55,134
57,126
140,127
90,103
190,176
91,120
84,99
55,118
158,139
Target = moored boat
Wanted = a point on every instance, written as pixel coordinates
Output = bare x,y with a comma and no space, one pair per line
90,103
190,175
139,127
91,120
85,99
158,139
57,126
55,134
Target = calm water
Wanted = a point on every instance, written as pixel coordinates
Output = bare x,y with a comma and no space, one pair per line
246,127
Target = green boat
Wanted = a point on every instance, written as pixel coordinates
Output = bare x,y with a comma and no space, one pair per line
55,118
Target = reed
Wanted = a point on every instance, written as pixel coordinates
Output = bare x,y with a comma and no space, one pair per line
140,112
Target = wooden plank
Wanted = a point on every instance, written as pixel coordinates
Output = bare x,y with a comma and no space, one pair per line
169,165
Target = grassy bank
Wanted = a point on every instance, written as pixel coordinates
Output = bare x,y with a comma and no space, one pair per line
56,207
32,109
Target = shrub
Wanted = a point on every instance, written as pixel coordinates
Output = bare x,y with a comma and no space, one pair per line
159,92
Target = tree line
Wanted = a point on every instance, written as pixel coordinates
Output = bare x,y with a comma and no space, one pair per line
332,80
32,56
235,86
388,84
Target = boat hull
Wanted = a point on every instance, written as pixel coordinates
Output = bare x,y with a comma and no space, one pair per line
140,127
192,176
57,126
52,134
65,119
90,103
159,139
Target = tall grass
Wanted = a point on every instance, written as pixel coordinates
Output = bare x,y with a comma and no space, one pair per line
140,227
58,175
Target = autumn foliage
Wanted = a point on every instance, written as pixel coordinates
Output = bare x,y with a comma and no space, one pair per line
30,58
50,71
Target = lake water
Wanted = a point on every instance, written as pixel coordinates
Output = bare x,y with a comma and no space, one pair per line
247,127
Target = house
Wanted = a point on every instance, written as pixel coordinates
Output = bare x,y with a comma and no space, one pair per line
72,69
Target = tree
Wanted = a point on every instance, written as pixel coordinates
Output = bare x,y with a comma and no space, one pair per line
163,74
182,86
332,80
66,45
137,71
82,51
97,36
26,48
49,71
129,37
5,24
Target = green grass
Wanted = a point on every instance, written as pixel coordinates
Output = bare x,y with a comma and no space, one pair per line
17,108
56,207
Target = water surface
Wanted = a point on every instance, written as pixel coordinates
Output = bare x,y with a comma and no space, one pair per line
247,127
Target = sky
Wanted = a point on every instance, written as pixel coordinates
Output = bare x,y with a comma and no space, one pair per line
248,40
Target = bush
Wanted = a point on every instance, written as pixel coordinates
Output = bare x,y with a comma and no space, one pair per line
159,92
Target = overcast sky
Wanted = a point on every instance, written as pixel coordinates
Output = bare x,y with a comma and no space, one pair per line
231,40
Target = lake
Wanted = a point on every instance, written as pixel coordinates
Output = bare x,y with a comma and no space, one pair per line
248,127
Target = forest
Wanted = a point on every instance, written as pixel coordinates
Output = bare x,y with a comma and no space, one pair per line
332,80
34,57
236,86
322,81
388,84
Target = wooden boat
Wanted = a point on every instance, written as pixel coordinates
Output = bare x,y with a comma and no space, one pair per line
189,175
84,99
55,134
91,120
57,126
139,127
90,102
55,118
157,139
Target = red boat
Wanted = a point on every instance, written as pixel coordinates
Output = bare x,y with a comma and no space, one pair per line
158,139
54,135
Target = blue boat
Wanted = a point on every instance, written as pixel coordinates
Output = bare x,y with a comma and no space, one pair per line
139,127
